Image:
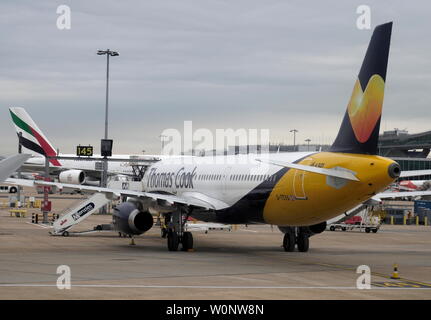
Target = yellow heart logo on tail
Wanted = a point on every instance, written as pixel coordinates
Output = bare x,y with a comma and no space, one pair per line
365,107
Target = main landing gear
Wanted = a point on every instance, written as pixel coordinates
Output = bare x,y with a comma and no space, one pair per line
295,236
176,233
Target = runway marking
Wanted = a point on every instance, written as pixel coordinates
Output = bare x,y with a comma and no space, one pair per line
39,225
411,282
206,287
399,284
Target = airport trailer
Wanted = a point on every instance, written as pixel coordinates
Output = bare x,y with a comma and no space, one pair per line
349,227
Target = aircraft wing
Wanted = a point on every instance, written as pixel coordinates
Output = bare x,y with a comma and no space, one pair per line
338,173
11,164
415,173
326,172
389,195
192,199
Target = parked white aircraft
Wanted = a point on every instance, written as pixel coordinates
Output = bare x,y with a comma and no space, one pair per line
414,185
68,171
298,191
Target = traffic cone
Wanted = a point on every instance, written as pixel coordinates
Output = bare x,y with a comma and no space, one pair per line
395,274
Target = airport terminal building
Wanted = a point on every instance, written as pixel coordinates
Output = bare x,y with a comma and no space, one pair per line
411,151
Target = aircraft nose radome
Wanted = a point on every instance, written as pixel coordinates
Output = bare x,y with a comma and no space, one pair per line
394,170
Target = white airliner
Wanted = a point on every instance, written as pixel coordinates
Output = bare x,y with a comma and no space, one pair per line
298,191
68,171
414,185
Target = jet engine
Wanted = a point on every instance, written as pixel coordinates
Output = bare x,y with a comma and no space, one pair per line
129,218
72,176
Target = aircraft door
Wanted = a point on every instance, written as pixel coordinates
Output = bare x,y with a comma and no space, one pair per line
298,185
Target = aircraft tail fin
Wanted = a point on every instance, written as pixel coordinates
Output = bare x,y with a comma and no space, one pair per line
31,137
359,131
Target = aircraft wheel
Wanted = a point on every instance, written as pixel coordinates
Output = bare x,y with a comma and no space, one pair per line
173,241
303,242
289,242
187,241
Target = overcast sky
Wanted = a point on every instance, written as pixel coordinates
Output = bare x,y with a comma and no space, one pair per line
267,64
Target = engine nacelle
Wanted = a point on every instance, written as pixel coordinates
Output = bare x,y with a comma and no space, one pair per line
72,176
129,219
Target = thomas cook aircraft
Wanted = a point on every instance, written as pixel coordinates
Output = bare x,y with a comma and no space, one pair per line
298,192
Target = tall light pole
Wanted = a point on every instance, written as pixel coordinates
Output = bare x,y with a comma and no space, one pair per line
19,169
308,144
104,179
294,138
108,53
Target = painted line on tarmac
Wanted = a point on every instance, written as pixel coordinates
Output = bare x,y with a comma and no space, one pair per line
401,280
39,225
378,274
401,284
204,287
412,283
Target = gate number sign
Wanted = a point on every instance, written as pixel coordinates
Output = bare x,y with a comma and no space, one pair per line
86,151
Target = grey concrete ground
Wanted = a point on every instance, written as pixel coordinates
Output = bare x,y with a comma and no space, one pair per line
245,264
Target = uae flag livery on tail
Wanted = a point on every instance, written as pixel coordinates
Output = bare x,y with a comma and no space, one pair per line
359,131
31,137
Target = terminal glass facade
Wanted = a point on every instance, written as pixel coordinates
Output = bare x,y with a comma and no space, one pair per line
408,164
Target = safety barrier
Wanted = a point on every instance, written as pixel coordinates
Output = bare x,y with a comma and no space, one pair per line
19,213
33,204
38,217
405,220
17,204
